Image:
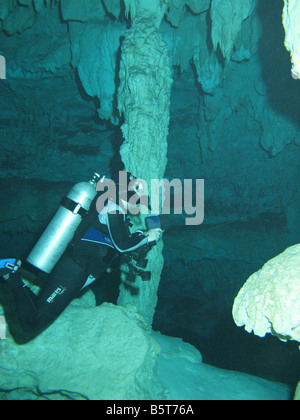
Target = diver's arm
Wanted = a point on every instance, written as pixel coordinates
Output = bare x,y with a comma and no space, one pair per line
154,235
121,237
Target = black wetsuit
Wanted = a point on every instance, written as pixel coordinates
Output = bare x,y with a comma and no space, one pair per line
84,261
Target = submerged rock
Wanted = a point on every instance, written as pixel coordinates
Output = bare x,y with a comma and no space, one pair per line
108,353
90,353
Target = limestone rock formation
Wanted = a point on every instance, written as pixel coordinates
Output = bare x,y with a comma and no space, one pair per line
109,353
291,23
277,132
94,49
144,100
269,301
88,353
297,394
227,18
232,101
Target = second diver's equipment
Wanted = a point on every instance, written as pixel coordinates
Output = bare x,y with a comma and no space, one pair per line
60,231
9,266
152,222
138,259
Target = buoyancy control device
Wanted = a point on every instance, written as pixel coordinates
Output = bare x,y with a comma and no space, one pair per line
60,231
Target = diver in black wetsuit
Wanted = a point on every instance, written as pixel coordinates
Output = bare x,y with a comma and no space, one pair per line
81,264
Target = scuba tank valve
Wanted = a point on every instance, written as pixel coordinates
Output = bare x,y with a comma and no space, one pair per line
60,231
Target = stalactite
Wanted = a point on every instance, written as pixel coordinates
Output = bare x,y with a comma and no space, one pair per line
144,99
227,18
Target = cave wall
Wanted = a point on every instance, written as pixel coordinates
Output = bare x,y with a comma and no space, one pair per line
233,103
76,50
234,121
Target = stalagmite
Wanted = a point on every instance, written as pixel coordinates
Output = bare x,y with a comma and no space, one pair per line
144,99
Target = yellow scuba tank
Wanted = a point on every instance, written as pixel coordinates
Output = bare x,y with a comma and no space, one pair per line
60,231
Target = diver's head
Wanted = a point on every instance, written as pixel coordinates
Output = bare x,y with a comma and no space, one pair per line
133,192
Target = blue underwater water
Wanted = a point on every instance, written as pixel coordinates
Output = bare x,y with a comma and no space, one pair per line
242,138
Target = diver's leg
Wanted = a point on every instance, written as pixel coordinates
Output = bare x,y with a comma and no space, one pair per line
26,302
64,284
25,299
37,312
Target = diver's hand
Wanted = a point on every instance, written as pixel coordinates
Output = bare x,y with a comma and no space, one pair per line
154,235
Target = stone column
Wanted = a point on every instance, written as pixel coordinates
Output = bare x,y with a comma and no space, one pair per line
144,100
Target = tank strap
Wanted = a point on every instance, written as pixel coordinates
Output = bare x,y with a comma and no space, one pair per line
74,207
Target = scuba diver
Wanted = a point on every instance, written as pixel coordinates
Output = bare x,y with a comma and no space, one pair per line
99,238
